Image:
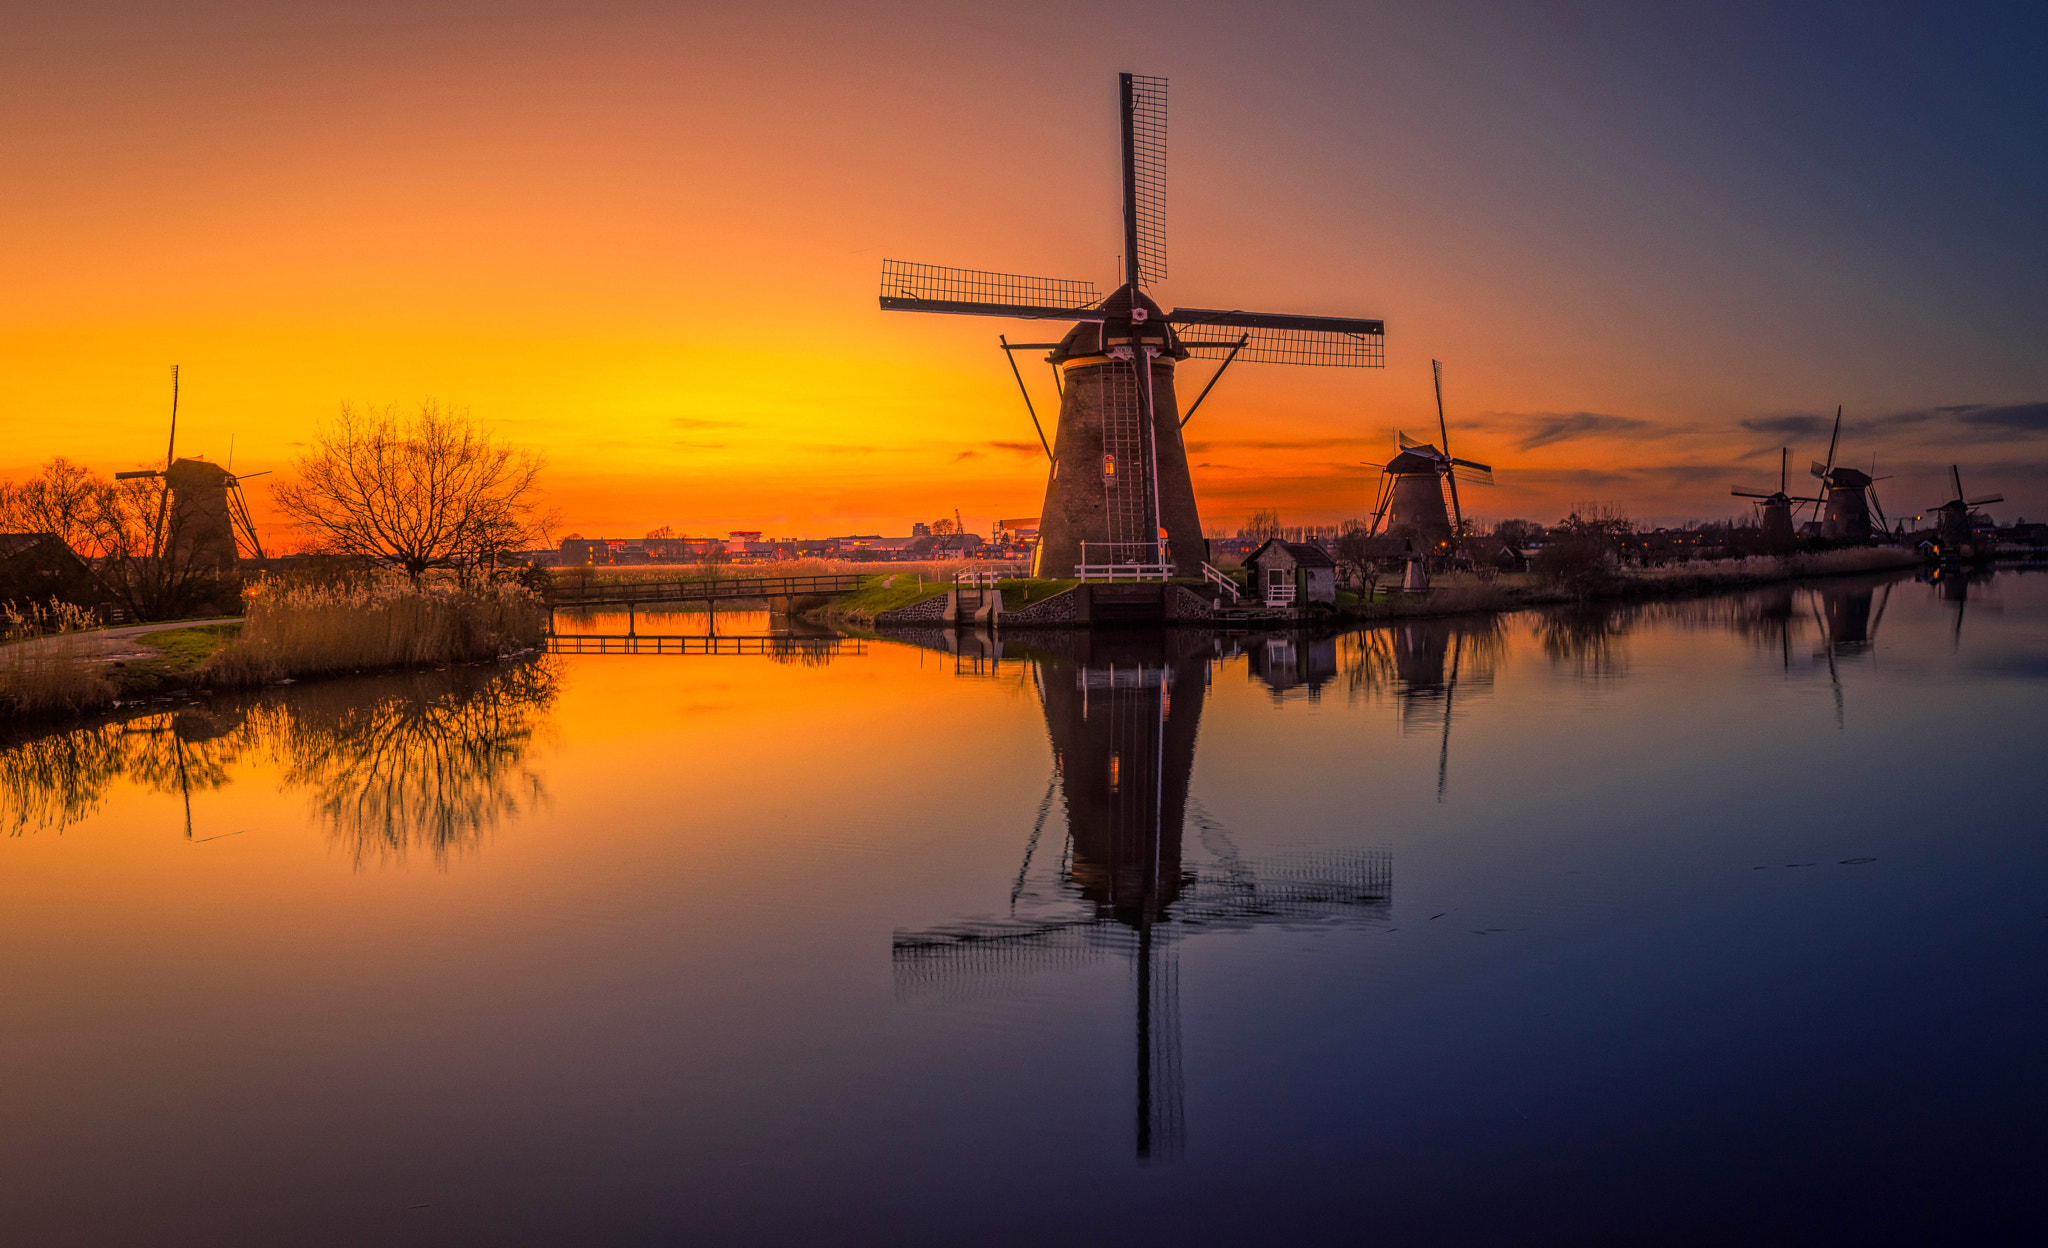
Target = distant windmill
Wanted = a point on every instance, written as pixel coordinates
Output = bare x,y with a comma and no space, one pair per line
1953,523
1419,486
202,515
1119,490
1848,497
1777,504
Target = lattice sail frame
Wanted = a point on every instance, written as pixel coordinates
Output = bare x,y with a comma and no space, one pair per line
1148,174
938,283
1320,348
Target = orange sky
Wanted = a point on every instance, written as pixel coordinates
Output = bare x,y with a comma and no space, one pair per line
646,240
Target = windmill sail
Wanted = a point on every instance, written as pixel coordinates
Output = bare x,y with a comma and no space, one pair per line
1282,338
908,286
1145,176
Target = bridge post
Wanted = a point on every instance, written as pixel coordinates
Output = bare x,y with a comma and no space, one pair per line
629,617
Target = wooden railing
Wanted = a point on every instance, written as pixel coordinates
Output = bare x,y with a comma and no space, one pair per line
700,589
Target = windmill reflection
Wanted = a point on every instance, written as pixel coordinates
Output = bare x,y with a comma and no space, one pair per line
1426,666
422,761
1122,711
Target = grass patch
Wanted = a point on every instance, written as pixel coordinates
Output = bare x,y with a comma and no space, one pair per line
873,597
1024,591
184,649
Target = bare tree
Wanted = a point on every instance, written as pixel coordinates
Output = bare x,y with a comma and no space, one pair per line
1262,525
1359,553
64,499
434,490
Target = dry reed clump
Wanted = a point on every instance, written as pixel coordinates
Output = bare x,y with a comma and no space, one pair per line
50,675
310,630
47,669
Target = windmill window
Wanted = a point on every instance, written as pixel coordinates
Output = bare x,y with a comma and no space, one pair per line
1109,466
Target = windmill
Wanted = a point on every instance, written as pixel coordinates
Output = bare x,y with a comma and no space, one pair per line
1952,531
1419,486
1848,497
1123,724
1777,504
202,515
1119,491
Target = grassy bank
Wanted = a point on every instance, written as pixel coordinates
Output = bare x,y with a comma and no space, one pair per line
1464,594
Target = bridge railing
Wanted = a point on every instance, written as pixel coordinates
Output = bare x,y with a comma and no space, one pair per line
702,589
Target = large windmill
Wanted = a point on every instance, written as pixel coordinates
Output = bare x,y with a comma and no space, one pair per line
1953,517
1419,486
1848,497
1777,504
1119,492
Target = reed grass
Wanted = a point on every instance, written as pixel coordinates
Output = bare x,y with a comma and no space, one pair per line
313,630
53,675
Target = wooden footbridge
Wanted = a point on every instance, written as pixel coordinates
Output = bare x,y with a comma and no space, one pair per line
699,589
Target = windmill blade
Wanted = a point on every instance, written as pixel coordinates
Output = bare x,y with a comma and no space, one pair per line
1474,474
1870,492
1280,338
1818,469
146,472
1407,443
1144,126
1754,493
1955,474
1979,502
1833,439
911,287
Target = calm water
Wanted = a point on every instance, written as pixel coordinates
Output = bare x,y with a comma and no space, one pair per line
1718,920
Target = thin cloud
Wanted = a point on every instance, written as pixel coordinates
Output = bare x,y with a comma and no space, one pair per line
1026,449
1554,427
1798,426
966,455
698,422
2020,417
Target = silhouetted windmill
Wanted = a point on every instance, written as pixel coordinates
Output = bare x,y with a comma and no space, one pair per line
1419,486
1848,497
1777,504
1953,517
1119,490
201,514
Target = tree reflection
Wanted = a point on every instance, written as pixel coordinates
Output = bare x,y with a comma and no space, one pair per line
430,768
423,762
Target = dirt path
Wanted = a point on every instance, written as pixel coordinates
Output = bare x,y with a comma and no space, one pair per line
110,645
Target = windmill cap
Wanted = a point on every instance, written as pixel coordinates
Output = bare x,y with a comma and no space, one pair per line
1088,337
1848,478
1423,458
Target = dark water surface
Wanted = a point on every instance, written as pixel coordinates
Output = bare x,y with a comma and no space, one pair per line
1723,920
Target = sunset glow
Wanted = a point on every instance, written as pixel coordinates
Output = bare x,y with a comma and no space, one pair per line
646,242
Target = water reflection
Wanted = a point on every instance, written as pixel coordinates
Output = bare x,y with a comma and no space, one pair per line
421,762
1122,711
1425,666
